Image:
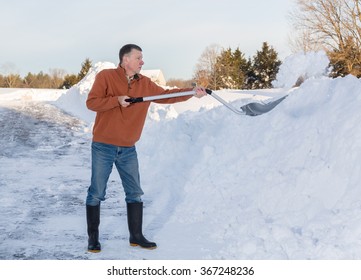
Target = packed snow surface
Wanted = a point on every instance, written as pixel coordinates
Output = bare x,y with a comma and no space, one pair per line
283,185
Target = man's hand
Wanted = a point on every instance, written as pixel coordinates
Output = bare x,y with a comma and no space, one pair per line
122,102
199,92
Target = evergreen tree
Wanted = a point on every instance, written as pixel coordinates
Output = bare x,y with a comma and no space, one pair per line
231,68
240,69
85,66
265,67
250,75
224,69
29,80
69,81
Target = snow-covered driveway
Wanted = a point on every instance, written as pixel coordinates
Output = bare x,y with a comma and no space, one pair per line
41,204
44,176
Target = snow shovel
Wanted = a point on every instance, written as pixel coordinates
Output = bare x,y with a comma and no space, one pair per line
256,109
250,109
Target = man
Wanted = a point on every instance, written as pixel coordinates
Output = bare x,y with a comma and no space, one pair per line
118,126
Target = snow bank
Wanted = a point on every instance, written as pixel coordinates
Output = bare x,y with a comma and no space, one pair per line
301,66
73,101
30,94
284,185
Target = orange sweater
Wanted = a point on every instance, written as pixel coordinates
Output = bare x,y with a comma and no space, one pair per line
115,124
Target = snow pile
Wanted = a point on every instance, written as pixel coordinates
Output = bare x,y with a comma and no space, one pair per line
73,101
284,185
30,94
301,66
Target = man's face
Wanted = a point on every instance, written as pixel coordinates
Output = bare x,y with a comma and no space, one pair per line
133,62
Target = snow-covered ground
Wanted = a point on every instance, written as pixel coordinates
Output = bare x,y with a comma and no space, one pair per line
284,185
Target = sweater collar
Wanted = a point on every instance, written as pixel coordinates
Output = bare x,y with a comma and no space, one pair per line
123,73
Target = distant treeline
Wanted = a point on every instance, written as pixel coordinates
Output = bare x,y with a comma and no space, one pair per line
220,68
55,79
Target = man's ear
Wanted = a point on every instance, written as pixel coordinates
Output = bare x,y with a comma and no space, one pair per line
126,59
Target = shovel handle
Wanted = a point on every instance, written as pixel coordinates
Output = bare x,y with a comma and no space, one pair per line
134,100
151,98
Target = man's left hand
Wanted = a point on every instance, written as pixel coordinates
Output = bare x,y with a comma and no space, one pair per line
200,92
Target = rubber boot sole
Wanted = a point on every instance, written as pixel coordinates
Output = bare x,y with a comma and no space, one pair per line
94,251
148,248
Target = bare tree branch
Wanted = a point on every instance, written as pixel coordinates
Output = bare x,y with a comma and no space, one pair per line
333,24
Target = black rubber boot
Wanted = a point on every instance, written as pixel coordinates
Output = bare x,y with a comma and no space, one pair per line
135,221
93,220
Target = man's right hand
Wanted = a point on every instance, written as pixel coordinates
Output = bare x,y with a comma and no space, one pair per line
122,102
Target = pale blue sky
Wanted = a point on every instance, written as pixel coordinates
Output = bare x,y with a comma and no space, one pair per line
38,35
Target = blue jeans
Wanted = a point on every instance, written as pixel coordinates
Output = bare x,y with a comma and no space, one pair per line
126,162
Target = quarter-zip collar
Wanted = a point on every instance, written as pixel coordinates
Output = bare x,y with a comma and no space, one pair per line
123,73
